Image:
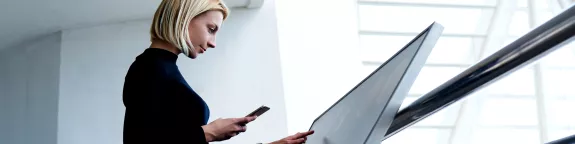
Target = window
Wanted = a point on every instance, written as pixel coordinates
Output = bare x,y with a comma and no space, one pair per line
496,111
559,112
559,82
506,136
561,133
519,23
526,106
519,83
562,58
413,19
461,2
425,136
379,48
431,77
459,50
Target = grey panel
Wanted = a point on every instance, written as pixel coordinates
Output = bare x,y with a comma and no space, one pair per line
365,113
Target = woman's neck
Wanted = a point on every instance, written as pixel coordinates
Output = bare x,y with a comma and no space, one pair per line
164,45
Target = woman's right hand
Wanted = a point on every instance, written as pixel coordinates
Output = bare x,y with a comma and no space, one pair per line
224,129
298,138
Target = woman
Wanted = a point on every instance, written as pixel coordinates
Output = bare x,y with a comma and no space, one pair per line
161,108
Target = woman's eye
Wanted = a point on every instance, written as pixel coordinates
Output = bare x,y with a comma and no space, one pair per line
212,30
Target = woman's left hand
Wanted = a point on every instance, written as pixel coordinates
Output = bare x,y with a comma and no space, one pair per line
298,138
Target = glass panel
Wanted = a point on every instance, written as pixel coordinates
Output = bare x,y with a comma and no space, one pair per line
508,111
445,117
505,136
464,2
415,19
451,50
558,82
431,77
519,23
520,82
560,112
420,136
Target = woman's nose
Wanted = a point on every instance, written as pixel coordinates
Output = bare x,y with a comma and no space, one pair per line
211,44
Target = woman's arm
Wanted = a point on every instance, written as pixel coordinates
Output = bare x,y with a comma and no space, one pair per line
224,129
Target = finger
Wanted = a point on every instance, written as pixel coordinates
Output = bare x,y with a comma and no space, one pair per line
245,120
238,128
233,134
250,119
296,136
302,134
296,141
293,136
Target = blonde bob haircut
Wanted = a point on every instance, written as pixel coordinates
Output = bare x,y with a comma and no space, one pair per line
172,18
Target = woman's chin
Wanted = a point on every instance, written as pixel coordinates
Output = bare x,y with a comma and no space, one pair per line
193,56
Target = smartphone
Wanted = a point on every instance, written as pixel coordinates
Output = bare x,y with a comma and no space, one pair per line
261,110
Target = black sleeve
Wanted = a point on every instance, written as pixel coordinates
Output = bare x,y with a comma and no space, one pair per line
156,113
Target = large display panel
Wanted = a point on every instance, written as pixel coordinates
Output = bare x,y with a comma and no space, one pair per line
365,113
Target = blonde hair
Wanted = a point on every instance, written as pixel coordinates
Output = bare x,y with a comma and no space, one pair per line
172,19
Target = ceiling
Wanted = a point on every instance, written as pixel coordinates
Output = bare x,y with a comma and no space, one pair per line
26,19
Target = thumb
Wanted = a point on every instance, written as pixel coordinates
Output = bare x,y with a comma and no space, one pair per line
296,141
245,119
252,118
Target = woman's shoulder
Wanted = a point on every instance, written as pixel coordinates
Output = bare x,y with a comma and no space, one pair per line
147,70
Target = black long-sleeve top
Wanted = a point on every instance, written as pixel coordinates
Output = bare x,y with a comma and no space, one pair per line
160,105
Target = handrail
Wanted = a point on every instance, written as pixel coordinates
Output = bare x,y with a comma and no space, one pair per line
565,140
528,48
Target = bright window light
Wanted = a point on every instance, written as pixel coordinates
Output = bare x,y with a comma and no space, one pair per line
415,19
459,2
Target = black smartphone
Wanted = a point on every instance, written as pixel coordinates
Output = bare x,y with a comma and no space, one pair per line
261,110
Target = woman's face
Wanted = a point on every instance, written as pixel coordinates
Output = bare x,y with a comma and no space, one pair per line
202,30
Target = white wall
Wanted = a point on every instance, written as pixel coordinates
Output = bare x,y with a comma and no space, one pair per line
242,73
94,63
3,98
29,91
319,47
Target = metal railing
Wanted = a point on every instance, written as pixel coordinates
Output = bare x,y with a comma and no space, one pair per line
565,140
528,48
